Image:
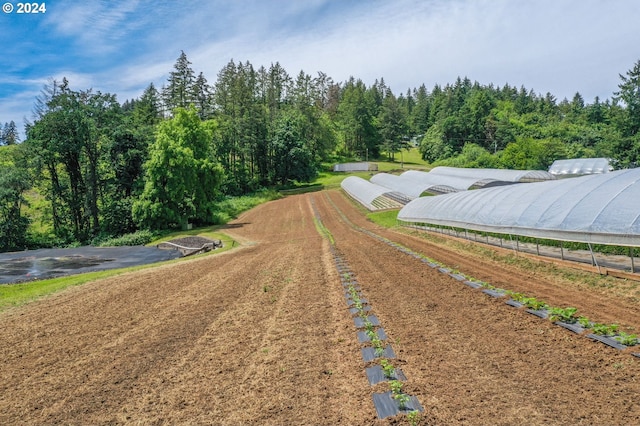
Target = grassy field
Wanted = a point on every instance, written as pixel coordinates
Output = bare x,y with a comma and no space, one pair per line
409,159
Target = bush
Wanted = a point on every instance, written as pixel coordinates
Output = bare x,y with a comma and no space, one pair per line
137,238
230,207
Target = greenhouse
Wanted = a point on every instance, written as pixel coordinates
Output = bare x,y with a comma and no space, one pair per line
372,196
515,176
438,183
411,188
600,209
355,167
580,166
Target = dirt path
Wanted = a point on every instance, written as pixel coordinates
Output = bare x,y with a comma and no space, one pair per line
262,335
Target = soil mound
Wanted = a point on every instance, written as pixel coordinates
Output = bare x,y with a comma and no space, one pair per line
191,245
193,241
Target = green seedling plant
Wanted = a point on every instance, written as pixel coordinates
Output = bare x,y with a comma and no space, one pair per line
377,344
358,305
354,295
515,295
627,339
604,329
388,369
563,314
397,394
413,417
533,303
368,326
584,322
371,334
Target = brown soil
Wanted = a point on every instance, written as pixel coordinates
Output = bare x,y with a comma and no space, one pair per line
262,335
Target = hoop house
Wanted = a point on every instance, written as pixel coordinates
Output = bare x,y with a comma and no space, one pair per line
355,167
580,166
370,195
496,174
434,183
602,209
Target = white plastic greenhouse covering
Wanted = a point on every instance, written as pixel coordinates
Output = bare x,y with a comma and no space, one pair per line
434,182
411,188
395,183
580,166
355,167
602,209
497,174
370,195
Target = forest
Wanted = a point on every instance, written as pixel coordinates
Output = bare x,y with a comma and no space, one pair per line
92,168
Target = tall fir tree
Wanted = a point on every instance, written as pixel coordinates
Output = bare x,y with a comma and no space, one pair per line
179,91
629,93
9,134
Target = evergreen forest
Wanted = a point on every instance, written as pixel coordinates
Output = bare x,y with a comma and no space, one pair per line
91,167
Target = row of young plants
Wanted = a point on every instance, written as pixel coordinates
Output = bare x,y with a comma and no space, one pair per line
362,310
567,315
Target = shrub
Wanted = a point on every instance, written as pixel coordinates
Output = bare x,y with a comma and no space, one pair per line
137,238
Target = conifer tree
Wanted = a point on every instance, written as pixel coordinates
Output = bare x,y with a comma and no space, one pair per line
178,93
9,134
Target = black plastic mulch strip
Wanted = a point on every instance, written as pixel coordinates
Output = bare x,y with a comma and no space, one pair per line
430,263
444,270
458,277
351,302
372,319
540,313
356,311
514,303
369,354
494,293
636,354
376,375
386,406
472,284
576,328
363,338
349,286
607,341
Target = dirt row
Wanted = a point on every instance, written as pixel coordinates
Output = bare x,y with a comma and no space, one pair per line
261,335
473,360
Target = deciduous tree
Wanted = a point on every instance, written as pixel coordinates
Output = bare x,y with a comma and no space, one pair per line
181,178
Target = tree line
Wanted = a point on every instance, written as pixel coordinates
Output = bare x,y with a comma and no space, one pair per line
91,167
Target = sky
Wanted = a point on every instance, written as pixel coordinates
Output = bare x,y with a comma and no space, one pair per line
548,46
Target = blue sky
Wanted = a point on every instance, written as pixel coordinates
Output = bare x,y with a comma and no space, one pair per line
556,46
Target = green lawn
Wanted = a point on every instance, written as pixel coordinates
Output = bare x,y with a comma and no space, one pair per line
410,159
387,218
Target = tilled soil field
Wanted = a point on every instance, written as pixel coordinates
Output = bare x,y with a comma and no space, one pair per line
262,335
